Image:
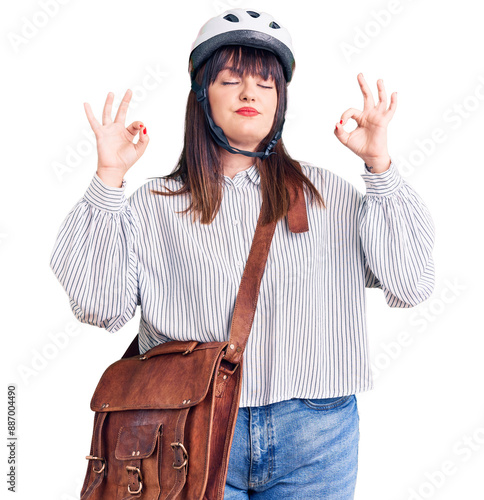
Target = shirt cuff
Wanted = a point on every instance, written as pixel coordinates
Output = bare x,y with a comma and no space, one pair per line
384,183
105,197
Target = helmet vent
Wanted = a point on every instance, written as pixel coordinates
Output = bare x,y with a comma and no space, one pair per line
274,25
231,18
252,13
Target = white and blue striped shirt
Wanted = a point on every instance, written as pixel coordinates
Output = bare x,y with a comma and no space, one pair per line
308,338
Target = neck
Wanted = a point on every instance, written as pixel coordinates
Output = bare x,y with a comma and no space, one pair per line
235,163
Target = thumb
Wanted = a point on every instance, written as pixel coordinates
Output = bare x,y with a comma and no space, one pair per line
135,127
341,133
143,141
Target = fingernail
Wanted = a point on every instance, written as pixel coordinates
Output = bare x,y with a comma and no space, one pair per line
144,131
341,121
141,125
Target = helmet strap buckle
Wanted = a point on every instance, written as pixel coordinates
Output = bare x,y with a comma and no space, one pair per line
200,91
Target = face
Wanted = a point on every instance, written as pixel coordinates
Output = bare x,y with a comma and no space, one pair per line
229,94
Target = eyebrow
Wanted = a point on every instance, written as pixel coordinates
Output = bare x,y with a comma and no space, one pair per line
238,72
233,70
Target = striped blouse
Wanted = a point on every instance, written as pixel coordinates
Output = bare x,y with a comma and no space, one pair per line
308,337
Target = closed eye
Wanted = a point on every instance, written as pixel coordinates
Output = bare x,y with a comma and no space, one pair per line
260,85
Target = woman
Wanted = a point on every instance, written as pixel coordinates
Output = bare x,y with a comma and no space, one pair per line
306,358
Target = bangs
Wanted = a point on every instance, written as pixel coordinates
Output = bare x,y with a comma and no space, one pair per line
243,60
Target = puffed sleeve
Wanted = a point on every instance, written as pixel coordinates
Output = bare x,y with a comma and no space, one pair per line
397,234
95,258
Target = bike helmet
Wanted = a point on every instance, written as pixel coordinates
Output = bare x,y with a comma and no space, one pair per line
239,27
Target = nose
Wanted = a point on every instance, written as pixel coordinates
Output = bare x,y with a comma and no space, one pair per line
248,89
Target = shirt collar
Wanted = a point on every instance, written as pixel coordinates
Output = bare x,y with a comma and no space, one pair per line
251,173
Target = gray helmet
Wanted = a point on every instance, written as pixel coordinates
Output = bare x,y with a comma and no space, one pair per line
243,27
239,27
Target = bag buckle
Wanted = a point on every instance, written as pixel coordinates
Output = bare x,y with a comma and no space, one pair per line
140,478
185,456
91,457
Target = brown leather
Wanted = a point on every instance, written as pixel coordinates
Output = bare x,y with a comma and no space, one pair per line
164,421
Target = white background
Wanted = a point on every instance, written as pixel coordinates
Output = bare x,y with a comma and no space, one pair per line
422,427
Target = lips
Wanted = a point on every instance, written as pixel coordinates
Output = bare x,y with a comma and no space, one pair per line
246,111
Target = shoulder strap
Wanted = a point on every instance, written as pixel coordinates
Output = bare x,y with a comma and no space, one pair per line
248,293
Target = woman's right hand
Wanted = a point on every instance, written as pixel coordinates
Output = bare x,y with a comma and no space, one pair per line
115,148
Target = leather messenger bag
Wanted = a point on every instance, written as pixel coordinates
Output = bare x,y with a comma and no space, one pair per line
164,420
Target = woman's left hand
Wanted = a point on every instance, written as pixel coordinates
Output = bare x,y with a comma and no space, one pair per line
369,139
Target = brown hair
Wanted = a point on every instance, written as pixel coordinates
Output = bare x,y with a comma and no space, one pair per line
199,166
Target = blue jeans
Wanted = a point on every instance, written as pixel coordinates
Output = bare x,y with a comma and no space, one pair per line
295,449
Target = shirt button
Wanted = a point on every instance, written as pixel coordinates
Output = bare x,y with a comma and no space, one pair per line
236,222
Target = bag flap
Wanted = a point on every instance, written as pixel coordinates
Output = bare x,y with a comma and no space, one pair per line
173,346
136,441
168,380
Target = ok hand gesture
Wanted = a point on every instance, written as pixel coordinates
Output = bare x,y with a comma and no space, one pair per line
369,139
115,148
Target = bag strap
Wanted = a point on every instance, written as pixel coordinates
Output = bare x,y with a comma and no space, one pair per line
248,293
96,455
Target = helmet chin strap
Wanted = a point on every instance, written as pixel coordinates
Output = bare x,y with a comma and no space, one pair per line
218,134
